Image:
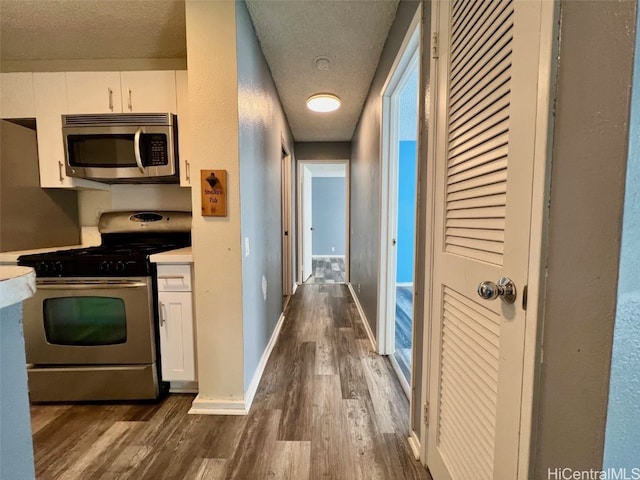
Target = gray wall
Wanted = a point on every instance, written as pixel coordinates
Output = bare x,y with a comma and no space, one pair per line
261,124
31,217
323,150
587,186
365,176
329,196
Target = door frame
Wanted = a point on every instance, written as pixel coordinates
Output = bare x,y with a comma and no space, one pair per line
286,221
408,57
300,164
536,279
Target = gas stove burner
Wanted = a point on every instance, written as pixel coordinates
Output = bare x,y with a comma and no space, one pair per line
125,247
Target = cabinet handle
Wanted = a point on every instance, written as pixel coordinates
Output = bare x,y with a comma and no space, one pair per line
60,172
188,173
162,315
110,99
130,103
171,277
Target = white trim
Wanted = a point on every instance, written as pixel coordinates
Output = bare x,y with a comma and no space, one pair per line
363,317
327,256
404,284
403,381
414,443
407,59
295,288
539,221
204,406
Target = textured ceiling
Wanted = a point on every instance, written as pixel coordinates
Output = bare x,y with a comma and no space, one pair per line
292,33
350,34
91,29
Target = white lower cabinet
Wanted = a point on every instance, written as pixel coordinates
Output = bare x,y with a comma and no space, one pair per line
175,308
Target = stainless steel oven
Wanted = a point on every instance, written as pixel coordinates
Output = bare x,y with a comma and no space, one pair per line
99,331
91,330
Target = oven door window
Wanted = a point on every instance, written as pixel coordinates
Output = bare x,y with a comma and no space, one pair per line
85,321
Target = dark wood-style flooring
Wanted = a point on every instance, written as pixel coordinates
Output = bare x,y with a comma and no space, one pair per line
326,408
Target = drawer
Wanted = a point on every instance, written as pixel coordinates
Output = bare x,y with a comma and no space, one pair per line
174,278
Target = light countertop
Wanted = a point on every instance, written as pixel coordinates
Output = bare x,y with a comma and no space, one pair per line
16,284
181,255
11,258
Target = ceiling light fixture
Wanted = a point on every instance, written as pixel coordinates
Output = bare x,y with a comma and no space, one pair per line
323,102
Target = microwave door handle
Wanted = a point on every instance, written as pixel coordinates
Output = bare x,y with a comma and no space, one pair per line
136,148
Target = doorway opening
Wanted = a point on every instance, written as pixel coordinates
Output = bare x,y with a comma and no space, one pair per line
399,186
323,219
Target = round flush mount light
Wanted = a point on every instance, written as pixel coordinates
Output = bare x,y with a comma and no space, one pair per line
323,102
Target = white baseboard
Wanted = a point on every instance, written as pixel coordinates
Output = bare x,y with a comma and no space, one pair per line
205,406
257,376
367,327
328,255
295,287
414,443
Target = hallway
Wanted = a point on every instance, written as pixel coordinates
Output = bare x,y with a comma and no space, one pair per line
327,407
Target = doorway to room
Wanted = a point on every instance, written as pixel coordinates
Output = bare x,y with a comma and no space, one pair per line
400,134
323,219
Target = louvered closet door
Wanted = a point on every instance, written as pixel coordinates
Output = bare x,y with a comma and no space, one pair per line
484,133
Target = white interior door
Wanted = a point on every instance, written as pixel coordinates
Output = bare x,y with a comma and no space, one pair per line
307,227
486,93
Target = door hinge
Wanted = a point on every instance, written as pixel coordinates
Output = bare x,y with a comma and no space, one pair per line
425,414
434,45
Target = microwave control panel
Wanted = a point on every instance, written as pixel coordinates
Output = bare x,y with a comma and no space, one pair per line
156,154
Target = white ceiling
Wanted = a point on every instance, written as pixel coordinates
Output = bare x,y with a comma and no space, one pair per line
350,33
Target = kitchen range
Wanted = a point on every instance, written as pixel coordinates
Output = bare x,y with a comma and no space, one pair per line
91,329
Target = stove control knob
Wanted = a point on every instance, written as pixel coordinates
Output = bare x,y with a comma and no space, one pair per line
57,267
43,267
120,266
105,266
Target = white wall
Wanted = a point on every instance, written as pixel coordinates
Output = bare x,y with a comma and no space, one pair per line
217,245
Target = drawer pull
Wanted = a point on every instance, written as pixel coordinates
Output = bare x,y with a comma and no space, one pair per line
171,277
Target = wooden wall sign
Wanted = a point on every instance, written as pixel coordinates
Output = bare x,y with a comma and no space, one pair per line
214,193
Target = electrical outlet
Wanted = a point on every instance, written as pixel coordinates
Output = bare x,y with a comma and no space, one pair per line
358,289
246,246
333,249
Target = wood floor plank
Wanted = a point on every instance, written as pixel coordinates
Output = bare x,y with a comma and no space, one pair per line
352,378
297,409
291,460
207,469
363,433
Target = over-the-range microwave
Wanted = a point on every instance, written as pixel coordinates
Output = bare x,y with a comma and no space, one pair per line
122,147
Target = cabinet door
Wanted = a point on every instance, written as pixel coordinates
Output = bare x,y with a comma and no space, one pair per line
50,104
176,336
16,95
93,92
182,100
149,91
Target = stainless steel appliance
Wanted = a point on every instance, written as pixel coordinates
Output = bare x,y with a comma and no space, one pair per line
91,329
122,147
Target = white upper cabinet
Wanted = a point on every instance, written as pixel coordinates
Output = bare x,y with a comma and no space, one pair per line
148,91
118,92
50,102
93,92
16,95
182,104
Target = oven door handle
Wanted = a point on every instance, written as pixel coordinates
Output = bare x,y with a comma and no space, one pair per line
136,148
88,286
